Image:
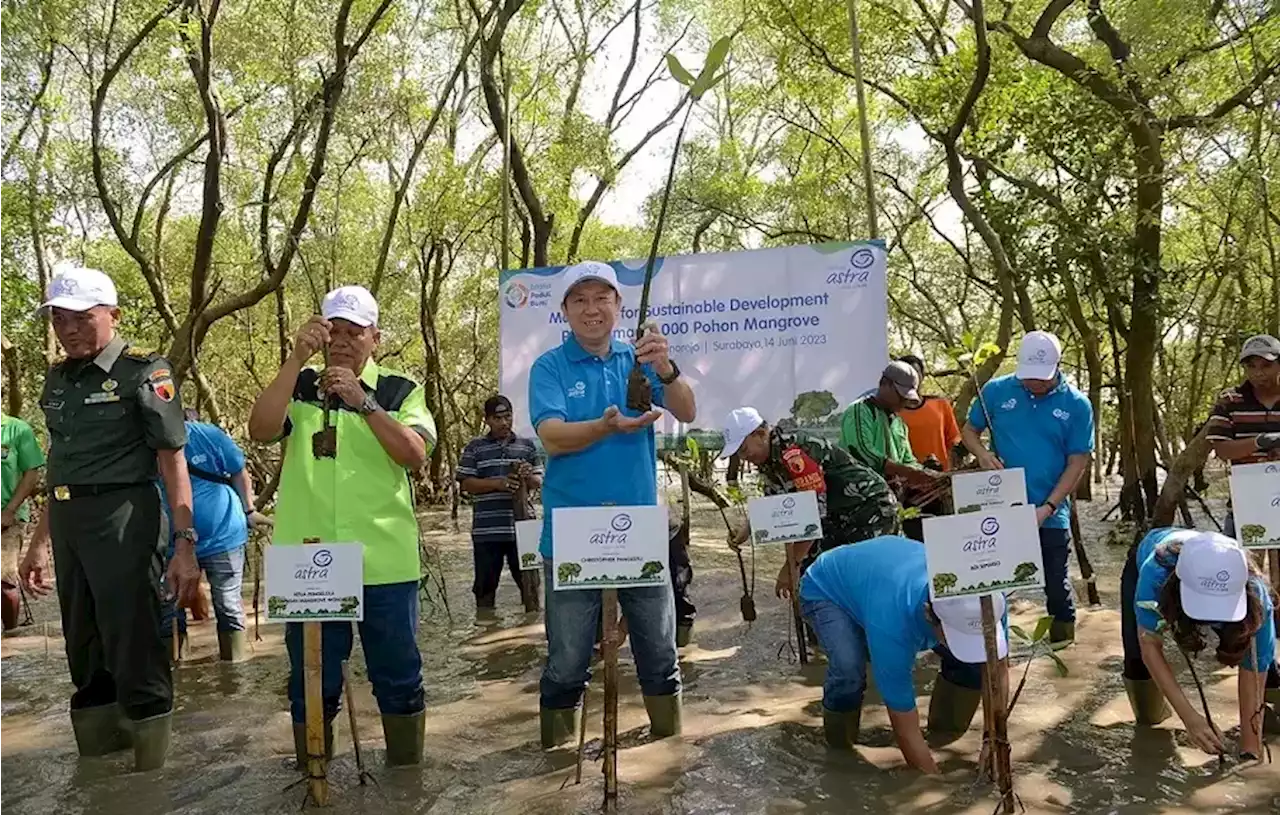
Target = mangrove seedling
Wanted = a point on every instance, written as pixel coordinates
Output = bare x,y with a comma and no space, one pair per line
639,391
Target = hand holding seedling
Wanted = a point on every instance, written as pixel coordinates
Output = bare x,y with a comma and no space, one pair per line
1043,511
313,336
1204,735
782,588
652,349
342,383
989,461
739,536
619,422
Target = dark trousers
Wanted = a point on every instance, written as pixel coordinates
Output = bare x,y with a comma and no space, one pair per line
682,576
108,557
388,635
1060,598
489,559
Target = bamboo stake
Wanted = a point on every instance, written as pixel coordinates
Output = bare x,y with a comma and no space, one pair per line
793,569
317,779
176,640
995,709
609,607
1086,568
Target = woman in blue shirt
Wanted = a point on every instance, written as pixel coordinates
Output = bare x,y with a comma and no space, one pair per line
1182,581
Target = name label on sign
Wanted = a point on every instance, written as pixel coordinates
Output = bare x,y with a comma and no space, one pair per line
987,552
989,489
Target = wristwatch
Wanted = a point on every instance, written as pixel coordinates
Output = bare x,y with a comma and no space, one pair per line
675,374
369,405
188,534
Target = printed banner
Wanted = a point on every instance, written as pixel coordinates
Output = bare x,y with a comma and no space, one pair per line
1255,500
983,552
609,547
528,534
785,518
315,582
797,332
989,488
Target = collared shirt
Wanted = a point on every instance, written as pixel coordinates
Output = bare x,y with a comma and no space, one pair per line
570,384
1240,414
883,585
361,495
1157,559
107,416
21,454
854,502
1036,433
216,509
932,430
874,435
493,513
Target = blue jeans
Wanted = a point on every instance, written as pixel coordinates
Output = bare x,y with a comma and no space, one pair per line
1060,597
225,571
845,643
388,635
571,620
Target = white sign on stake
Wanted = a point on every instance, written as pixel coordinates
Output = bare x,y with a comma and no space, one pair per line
315,582
989,489
977,553
785,518
609,547
528,536
1255,500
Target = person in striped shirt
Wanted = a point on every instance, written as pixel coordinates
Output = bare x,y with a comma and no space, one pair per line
490,471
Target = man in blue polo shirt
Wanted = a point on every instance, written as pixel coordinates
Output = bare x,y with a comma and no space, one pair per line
600,453
1041,423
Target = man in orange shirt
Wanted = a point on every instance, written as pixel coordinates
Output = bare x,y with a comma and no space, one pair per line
931,427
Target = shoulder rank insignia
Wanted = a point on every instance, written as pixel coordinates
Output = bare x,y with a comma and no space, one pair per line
139,353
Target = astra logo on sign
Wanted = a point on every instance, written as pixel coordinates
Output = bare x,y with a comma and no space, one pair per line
986,542
1272,469
319,570
615,534
990,526
788,502
788,508
516,294
995,480
621,522
857,273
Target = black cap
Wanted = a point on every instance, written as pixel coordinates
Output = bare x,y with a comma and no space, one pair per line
497,404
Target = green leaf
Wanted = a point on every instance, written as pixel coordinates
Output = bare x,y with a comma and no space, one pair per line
990,348
678,71
716,57
700,88
967,340
1017,631
691,444
1042,628
1062,666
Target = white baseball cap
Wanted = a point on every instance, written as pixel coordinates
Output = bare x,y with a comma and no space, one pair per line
589,270
79,289
1214,573
1261,345
352,303
961,619
740,423
1038,356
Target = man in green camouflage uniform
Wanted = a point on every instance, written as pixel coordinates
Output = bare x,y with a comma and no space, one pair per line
854,502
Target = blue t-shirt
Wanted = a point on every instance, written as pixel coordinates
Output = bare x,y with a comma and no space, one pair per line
1037,433
218,513
882,584
1155,564
570,384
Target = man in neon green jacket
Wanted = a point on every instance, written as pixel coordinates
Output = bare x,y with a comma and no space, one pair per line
358,492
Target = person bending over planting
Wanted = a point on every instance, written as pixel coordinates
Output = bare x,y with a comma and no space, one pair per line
601,453
870,602
1182,581
855,503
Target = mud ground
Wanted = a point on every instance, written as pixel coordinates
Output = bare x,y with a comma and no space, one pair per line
752,740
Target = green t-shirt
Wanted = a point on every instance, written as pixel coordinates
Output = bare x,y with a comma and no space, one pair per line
22,454
874,435
362,495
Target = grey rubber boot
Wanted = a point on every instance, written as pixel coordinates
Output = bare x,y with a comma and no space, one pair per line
684,634
405,736
665,715
1148,703
233,646
951,707
841,729
559,726
151,742
1062,632
99,730
300,743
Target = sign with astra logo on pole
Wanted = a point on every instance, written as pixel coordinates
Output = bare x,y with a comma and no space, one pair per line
315,582
619,547
797,332
986,552
785,518
1255,500
989,488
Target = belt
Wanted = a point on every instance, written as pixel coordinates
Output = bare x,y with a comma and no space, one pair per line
66,492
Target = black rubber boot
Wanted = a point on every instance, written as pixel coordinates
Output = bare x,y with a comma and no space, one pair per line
405,736
559,726
1148,703
665,715
151,742
841,729
99,730
951,707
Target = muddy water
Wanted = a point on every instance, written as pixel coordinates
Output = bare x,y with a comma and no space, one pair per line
752,740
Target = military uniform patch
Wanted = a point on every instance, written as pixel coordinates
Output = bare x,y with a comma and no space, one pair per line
164,390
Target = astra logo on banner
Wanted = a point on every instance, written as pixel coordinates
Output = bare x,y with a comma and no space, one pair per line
857,273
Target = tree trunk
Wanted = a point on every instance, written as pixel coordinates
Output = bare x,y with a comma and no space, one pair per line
1191,459
12,378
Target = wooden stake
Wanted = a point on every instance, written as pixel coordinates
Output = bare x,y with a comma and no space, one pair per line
995,712
609,608
365,775
793,569
1273,557
312,661
1086,568
177,641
